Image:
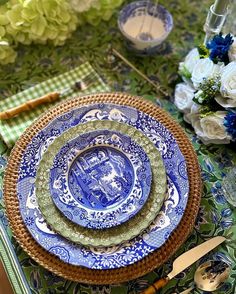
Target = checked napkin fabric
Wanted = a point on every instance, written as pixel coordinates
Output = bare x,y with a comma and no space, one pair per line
11,129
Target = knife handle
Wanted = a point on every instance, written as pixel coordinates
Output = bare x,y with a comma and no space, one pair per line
156,286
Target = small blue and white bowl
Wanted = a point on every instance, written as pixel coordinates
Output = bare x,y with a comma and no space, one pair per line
145,26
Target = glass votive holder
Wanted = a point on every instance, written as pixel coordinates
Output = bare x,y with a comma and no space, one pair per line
214,23
229,186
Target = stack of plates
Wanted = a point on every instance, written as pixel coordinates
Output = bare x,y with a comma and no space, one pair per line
101,185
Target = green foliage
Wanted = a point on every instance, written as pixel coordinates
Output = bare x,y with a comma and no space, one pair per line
2,2
100,10
45,21
205,97
203,51
206,110
7,53
184,72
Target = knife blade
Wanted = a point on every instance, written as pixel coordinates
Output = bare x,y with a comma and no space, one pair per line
184,261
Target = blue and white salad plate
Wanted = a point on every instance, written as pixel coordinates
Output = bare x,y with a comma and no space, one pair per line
133,250
100,179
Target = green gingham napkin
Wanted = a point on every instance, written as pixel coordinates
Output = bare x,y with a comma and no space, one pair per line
11,129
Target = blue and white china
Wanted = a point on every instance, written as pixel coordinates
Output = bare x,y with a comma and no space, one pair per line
100,179
118,234
145,25
131,251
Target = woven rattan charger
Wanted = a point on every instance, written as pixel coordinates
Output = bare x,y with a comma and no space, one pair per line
81,274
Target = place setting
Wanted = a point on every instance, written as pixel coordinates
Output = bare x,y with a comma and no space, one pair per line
64,171
103,187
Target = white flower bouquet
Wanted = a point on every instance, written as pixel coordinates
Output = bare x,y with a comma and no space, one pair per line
42,21
207,95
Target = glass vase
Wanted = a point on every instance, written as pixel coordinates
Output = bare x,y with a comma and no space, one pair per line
214,23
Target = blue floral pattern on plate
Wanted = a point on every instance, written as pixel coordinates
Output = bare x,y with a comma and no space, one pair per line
100,179
131,251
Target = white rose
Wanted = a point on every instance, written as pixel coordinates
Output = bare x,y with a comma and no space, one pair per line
232,51
193,115
204,68
183,97
210,129
228,85
225,102
198,130
190,60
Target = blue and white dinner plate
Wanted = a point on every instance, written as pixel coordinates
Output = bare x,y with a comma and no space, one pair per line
131,251
100,179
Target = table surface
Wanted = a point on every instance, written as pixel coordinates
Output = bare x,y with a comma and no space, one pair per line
5,283
37,63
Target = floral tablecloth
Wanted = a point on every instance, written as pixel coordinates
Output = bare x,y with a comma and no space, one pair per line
216,217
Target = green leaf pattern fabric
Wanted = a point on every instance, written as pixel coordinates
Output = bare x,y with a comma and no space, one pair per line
37,63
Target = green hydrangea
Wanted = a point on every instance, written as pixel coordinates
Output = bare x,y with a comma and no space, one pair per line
40,21
82,5
3,20
7,53
100,10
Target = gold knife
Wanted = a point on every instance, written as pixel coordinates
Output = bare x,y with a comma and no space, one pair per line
185,260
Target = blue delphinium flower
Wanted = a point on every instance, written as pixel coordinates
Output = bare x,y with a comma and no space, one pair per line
219,47
230,124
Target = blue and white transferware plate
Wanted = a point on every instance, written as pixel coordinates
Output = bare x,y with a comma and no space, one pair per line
131,251
100,179
118,234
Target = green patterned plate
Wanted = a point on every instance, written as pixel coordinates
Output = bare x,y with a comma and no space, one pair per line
115,235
